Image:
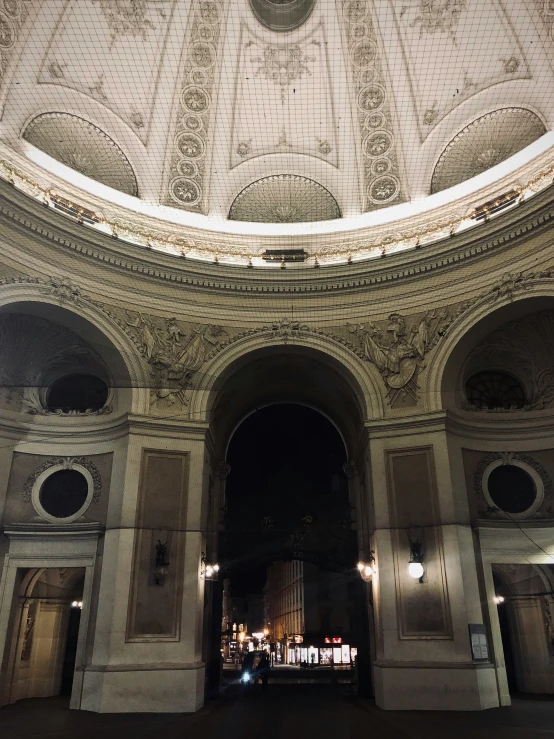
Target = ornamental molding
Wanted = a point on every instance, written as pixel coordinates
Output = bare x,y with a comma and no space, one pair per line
439,16
321,282
378,158
67,463
509,458
187,175
127,17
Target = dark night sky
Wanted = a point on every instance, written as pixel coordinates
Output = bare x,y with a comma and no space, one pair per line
283,460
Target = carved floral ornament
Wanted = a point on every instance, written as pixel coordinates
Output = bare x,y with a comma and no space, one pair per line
176,351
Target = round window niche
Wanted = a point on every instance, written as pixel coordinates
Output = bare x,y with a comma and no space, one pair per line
63,495
491,390
516,489
77,394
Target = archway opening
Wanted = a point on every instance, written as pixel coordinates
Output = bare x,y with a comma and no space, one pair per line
286,421
44,633
289,547
524,596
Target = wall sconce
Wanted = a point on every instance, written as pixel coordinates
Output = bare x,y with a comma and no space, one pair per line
161,566
415,566
77,604
367,569
498,599
208,571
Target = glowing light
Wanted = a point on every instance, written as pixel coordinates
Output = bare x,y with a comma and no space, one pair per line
416,570
209,571
368,571
498,599
77,604
216,568
360,566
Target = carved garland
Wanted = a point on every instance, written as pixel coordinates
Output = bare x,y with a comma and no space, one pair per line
68,464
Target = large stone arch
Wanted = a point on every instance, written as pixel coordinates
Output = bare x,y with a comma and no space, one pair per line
361,377
60,303
485,315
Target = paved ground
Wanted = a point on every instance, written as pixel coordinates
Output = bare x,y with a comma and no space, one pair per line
284,712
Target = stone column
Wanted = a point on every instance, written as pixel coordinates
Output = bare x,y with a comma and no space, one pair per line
147,650
424,659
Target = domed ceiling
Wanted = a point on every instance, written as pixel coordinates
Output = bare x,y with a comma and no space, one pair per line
275,110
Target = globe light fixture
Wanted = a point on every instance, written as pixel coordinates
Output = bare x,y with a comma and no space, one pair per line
416,570
498,599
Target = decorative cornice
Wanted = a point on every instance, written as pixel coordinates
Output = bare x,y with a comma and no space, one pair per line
372,273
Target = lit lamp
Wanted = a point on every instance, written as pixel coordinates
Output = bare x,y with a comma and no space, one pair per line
498,599
367,569
77,604
208,571
415,566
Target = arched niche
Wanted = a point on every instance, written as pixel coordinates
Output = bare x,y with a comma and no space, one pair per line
117,359
448,368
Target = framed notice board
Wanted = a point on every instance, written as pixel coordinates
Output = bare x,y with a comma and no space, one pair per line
478,641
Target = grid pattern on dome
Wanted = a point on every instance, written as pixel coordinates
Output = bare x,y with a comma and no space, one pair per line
82,146
485,142
284,198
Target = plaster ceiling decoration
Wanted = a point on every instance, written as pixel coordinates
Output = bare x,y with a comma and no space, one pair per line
205,97
282,15
485,142
130,41
284,198
84,147
188,150
462,29
378,157
280,82
13,14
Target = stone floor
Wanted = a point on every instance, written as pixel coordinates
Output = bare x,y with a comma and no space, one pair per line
284,712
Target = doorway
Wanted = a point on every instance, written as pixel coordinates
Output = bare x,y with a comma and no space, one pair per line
45,632
525,595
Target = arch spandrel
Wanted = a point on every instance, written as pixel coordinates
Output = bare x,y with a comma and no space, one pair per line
62,303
